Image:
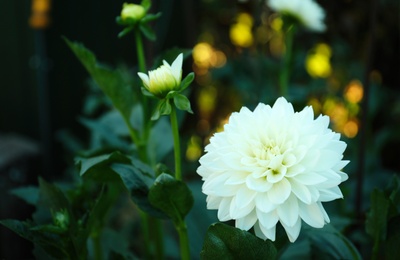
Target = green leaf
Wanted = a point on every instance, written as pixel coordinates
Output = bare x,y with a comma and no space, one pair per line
186,81
329,242
110,81
392,243
146,4
125,31
163,108
377,216
150,17
226,242
171,196
29,194
182,103
106,132
98,167
49,242
137,184
52,197
147,31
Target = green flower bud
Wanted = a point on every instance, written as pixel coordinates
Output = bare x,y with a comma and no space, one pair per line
164,79
61,219
132,11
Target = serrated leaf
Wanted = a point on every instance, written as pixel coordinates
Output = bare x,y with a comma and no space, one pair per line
171,196
186,81
377,216
110,81
182,103
137,184
29,194
226,242
52,197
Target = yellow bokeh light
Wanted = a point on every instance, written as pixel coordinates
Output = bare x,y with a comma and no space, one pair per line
202,54
245,19
277,24
316,105
354,91
194,150
240,33
318,61
350,129
205,56
206,100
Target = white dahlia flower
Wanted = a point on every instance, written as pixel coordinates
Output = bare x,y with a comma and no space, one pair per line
307,12
273,164
165,78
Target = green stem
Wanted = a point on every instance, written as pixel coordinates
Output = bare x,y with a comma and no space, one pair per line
285,70
375,249
146,234
183,241
177,147
140,50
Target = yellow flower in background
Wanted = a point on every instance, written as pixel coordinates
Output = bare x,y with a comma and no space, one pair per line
132,11
318,61
163,79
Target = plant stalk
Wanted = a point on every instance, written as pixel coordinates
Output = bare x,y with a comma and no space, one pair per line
183,240
177,147
285,70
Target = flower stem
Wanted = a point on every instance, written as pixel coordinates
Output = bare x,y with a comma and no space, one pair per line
140,51
183,240
177,147
285,70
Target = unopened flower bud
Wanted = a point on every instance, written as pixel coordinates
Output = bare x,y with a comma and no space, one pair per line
164,79
132,11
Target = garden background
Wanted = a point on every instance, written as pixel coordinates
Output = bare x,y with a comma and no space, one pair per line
45,92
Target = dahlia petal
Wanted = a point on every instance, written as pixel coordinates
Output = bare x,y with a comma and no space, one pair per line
301,191
312,215
237,178
236,212
267,220
268,232
293,231
244,196
223,210
288,212
327,159
330,194
326,217
213,202
246,222
145,79
258,184
340,165
263,203
279,192
310,178
176,66
258,232
294,170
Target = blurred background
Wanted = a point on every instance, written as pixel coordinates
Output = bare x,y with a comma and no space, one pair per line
350,72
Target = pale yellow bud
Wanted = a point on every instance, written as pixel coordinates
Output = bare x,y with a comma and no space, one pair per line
133,11
164,79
